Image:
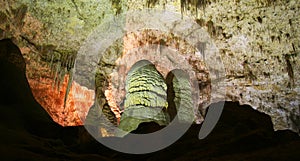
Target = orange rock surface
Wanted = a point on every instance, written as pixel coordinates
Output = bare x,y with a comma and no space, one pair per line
78,102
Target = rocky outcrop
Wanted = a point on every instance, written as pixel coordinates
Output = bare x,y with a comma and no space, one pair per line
257,40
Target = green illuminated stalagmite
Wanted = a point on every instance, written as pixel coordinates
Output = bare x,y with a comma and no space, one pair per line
146,97
180,96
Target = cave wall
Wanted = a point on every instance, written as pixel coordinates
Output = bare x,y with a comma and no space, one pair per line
258,41
259,44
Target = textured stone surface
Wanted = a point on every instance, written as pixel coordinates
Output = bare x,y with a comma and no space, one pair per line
146,97
161,50
70,113
258,41
180,93
259,44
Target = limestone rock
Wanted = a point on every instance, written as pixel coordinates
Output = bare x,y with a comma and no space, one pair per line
257,39
146,98
179,87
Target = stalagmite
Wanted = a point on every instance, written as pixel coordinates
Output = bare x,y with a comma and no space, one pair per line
146,97
180,92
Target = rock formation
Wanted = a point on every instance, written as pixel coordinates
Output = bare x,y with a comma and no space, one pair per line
257,40
28,132
146,97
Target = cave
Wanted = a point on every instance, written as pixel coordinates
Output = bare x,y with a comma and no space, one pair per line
149,80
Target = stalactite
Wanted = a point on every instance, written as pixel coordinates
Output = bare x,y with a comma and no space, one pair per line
61,64
290,71
117,6
51,65
182,5
70,80
61,77
55,77
195,4
266,3
151,3
211,28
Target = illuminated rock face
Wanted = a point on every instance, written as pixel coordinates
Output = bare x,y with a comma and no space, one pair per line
78,102
146,97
